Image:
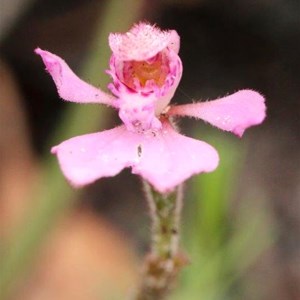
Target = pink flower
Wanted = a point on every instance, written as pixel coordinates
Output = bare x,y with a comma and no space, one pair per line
146,70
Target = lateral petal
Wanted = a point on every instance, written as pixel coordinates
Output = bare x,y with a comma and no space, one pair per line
234,113
69,86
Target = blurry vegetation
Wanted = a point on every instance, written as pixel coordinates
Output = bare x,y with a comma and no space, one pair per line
223,236
53,196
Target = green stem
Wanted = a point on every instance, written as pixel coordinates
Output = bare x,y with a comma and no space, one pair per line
164,261
165,214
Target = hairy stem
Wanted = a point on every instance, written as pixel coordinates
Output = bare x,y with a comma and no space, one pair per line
163,263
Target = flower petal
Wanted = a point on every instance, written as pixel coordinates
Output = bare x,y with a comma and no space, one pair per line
69,86
174,42
169,158
234,113
142,42
86,158
165,159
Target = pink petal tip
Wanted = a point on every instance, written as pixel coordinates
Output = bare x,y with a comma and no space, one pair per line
234,113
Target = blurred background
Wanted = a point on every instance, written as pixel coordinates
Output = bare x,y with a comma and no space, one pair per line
241,224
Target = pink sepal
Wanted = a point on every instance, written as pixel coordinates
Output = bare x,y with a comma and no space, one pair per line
69,86
234,113
142,42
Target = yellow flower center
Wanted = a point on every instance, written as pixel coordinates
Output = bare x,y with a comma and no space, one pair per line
143,71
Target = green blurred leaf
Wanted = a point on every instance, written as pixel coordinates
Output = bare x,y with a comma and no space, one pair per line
221,248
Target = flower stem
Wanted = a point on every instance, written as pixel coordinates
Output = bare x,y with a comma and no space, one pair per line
163,263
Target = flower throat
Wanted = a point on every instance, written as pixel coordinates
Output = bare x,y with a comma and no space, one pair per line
140,74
